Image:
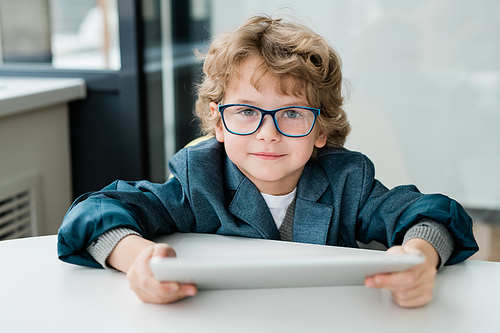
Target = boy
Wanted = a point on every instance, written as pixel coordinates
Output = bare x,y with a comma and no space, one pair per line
276,169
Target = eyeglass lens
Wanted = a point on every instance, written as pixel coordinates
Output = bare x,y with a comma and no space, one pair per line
291,121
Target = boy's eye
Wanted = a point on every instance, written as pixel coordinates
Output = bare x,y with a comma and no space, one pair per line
248,112
292,114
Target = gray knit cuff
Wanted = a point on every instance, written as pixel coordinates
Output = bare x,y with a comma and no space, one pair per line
102,246
436,234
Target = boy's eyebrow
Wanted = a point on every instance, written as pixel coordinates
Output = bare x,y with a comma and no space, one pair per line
244,101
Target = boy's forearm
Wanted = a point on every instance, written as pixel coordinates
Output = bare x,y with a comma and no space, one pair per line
126,251
429,251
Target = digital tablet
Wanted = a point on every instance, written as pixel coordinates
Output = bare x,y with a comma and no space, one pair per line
279,271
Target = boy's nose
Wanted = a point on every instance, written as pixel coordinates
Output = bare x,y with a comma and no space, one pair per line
267,130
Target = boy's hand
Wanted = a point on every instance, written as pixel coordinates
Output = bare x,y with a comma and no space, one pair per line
413,287
131,255
147,287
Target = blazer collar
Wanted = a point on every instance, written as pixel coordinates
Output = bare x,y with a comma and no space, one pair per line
311,220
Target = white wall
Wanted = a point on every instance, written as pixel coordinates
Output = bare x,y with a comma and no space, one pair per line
424,81
36,142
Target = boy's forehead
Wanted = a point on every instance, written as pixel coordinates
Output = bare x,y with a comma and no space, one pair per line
254,71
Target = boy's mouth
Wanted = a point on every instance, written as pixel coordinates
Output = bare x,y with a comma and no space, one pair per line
268,156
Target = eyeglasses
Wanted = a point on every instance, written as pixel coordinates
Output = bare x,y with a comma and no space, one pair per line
292,121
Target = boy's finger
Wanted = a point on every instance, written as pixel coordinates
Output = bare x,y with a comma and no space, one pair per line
406,278
395,250
169,292
163,250
412,293
189,289
412,299
398,280
175,287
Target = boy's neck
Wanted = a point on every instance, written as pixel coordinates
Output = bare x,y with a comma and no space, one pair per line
280,187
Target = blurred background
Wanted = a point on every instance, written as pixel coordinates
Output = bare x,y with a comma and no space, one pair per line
422,79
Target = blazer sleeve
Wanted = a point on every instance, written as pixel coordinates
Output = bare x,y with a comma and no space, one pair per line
386,215
148,208
132,205
86,221
448,212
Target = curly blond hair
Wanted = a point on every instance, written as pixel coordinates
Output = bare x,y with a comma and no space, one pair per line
288,51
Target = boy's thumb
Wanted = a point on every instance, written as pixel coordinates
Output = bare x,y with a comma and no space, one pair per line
163,250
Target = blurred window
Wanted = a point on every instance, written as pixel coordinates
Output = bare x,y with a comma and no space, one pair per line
70,34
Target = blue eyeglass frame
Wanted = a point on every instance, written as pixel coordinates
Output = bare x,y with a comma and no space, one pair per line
272,113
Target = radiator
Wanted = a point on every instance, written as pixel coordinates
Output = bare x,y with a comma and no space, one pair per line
20,207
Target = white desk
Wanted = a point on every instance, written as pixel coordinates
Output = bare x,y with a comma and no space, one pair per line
39,293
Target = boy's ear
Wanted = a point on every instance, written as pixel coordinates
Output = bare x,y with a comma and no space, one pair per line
320,140
219,131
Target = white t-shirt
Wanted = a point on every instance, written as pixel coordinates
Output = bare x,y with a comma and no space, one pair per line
278,204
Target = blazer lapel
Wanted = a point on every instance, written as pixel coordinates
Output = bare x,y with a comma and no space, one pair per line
248,204
312,219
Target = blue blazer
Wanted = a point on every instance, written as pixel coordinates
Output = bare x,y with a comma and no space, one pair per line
338,202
